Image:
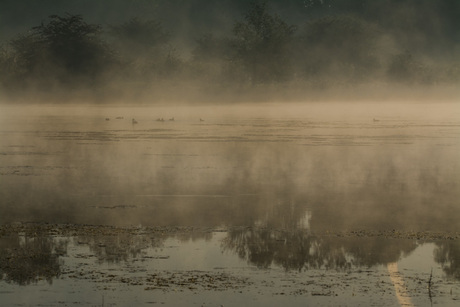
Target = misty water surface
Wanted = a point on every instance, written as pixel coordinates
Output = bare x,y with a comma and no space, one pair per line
276,179
359,166
319,166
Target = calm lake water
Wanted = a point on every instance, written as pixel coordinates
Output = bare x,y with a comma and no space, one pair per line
268,199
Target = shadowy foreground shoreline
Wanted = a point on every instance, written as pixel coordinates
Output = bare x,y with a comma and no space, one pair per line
182,266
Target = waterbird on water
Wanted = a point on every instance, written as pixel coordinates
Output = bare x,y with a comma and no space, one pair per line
134,121
160,119
376,120
171,119
201,120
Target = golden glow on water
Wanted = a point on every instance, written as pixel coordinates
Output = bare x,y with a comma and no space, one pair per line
398,282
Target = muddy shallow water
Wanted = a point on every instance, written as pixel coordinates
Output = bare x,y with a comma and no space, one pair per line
251,205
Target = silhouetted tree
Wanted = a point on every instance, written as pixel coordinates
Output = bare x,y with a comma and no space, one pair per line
64,50
138,36
144,48
341,46
261,45
28,54
73,43
210,58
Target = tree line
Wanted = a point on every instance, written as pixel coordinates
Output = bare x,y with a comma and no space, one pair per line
66,54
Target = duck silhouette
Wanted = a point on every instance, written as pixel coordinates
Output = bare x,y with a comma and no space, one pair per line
134,121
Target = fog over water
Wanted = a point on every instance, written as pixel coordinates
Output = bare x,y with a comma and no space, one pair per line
259,153
315,189
341,165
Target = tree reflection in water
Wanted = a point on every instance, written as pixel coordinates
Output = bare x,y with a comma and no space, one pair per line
123,246
447,254
26,259
119,247
299,250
